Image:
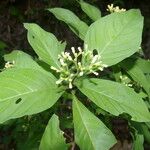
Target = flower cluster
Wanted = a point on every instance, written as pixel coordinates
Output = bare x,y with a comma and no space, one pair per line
113,9
9,64
126,81
76,65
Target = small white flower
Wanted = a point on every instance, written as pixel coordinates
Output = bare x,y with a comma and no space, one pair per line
80,50
70,58
9,64
100,68
96,73
104,65
62,62
112,9
53,68
128,84
71,75
79,64
67,54
63,54
81,73
73,50
70,85
59,81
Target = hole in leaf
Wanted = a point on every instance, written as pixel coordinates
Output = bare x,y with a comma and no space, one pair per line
33,37
18,101
95,52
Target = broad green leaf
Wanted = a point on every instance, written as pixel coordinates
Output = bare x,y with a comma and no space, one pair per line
26,91
136,73
116,36
90,132
138,142
44,44
76,25
115,98
53,137
92,11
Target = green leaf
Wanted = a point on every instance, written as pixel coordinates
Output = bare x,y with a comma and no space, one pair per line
92,11
22,60
53,137
144,65
115,98
136,73
138,142
26,91
116,36
44,44
75,24
90,132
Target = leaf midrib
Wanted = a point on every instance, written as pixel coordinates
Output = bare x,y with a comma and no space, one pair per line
131,20
22,94
85,126
130,107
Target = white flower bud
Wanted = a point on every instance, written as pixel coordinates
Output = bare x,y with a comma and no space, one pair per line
70,58
79,64
71,75
9,64
96,73
100,68
70,85
59,81
62,62
63,54
80,50
104,65
53,68
70,80
81,73
67,54
130,85
73,50
95,58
